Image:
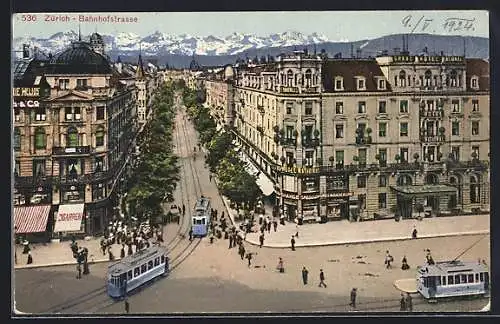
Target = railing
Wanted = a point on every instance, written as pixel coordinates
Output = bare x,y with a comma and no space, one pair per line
29,181
431,113
432,139
311,142
474,164
288,141
57,150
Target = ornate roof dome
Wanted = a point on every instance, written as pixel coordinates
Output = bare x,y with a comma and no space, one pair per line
95,37
80,58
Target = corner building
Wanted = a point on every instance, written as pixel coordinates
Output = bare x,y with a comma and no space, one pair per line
365,138
71,149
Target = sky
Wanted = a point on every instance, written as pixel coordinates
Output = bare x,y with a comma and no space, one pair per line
336,25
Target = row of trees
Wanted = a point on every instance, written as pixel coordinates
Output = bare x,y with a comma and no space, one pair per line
155,171
234,181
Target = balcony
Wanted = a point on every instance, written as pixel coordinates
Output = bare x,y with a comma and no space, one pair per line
57,150
23,182
288,141
431,113
363,140
471,165
310,142
432,139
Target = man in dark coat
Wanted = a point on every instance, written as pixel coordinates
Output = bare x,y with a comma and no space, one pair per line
127,306
353,297
402,303
261,240
305,273
190,234
409,303
292,242
321,279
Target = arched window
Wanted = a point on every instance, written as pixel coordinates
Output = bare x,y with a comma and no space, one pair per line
17,139
40,138
99,136
72,137
431,178
404,180
308,77
475,192
428,77
289,78
402,78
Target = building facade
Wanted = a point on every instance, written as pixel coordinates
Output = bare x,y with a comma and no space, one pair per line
72,147
365,138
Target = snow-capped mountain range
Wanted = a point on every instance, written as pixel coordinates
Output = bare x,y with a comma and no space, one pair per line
163,43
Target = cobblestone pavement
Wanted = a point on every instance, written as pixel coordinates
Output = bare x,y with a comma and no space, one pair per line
214,279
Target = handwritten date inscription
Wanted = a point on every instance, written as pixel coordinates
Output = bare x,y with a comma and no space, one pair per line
423,24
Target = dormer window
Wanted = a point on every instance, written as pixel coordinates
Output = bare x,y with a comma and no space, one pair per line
474,83
339,84
381,84
361,84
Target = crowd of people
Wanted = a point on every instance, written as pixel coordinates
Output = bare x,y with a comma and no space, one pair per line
138,237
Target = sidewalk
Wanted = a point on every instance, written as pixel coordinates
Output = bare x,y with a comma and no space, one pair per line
345,232
58,254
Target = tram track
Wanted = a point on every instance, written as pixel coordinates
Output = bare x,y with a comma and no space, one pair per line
99,297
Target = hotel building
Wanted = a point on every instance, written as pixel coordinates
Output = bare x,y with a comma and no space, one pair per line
363,138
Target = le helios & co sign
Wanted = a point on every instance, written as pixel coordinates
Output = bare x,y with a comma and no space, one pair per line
21,94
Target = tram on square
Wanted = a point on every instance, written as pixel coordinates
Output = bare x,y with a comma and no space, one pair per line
135,270
201,218
452,279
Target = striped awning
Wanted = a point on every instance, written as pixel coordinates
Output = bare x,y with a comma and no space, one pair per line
31,219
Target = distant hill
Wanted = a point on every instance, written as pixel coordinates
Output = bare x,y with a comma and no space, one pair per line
177,51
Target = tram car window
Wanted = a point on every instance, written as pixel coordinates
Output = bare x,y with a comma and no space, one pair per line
162,259
137,272
129,275
144,268
157,262
150,265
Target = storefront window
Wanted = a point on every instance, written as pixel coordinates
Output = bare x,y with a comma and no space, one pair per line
310,184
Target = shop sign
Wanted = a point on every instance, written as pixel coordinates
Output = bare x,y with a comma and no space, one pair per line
26,103
26,92
341,194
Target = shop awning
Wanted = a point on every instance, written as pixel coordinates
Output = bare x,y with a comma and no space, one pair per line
425,190
69,218
31,219
265,184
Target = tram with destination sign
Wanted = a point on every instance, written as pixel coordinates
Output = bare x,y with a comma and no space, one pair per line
135,270
202,217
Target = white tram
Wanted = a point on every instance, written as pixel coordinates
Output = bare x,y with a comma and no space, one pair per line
453,278
202,217
137,269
